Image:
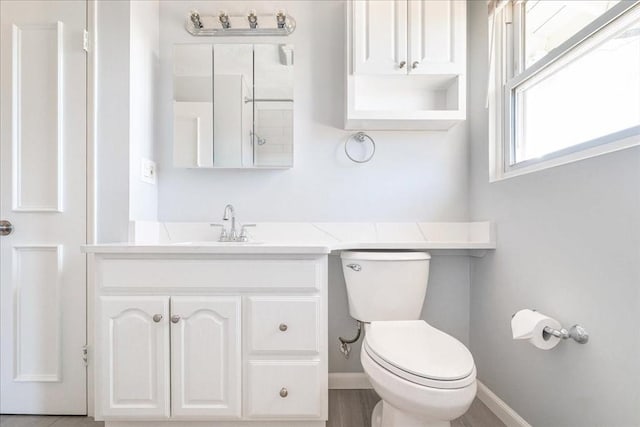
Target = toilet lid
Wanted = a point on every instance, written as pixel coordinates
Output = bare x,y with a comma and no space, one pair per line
420,350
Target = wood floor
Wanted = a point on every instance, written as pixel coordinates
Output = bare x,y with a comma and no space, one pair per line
352,408
347,408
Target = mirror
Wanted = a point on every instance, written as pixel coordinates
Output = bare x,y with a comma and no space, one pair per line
233,106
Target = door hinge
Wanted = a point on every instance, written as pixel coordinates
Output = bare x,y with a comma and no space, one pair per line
85,355
85,41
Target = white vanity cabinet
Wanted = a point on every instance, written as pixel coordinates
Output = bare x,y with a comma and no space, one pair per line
406,64
206,357
135,356
240,339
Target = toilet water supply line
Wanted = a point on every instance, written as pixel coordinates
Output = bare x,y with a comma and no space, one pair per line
345,344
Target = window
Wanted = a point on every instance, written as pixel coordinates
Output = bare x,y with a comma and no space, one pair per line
565,81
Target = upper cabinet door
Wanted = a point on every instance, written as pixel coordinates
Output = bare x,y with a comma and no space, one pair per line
206,357
437,42
379,37
133,371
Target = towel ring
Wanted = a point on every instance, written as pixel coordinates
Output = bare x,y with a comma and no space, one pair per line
360,138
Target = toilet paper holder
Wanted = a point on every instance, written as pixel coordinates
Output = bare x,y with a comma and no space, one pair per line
576,332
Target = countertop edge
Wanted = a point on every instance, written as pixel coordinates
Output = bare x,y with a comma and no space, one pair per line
284,248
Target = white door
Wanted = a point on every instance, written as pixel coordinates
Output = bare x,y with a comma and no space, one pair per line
43,183
379,36
133,370
437,36
205,357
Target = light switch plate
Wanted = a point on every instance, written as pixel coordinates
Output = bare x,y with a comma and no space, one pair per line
148,171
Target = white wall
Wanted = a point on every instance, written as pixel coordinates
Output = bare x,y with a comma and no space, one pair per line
126,57
569,246
144,61
414,176
112,124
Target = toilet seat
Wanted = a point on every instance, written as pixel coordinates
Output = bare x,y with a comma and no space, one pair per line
420,353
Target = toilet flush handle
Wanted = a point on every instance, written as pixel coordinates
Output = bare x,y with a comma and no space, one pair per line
355,267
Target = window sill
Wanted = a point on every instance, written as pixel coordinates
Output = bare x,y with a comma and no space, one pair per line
499,174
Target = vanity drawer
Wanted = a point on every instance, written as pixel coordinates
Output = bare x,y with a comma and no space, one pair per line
228,273
284,389
283,324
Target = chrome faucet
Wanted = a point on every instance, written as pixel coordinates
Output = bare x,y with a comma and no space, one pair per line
232,234
230,212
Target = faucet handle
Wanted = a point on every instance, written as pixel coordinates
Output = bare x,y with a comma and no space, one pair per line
224,236
243,232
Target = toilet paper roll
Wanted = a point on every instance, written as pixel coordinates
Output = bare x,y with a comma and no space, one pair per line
529,325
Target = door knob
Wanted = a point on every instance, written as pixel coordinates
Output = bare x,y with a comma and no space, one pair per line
402,64
175,318
415,64
5,228
283,327
284,392
157,317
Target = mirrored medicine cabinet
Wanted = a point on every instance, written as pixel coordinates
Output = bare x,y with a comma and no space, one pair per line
233,106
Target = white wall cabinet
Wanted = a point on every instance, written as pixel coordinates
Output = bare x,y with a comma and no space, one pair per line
181,339
380,37
406,64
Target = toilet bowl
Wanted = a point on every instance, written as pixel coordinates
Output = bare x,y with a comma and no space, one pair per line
425,382
425,377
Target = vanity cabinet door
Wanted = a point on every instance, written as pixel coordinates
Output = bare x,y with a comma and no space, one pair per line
379,37
133,371
206,357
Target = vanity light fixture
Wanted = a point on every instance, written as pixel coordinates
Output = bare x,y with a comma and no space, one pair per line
207,25
253,19
281,18
223,17
195,19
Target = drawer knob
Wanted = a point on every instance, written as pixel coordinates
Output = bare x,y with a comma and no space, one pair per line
283,392
175,318
157,317
283,327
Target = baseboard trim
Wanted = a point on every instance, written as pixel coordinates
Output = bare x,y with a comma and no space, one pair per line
348,380
501,410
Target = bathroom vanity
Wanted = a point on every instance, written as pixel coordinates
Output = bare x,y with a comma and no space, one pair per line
187,332
211,335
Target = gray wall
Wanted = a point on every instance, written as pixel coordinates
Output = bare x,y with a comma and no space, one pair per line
414,176
569,246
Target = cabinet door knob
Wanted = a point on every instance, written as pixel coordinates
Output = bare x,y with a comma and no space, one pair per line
283,392
402,64
175,318
283,327
157,317
415,64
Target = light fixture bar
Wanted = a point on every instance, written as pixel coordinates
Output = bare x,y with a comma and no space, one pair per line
250,24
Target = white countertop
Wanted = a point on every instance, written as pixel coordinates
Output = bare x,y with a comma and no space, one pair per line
303,238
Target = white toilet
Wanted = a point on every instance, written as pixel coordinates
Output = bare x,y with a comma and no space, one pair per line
425,377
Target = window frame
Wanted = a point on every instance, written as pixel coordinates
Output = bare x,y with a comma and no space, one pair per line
507,75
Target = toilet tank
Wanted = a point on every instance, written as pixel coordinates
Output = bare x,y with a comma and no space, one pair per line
385,285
